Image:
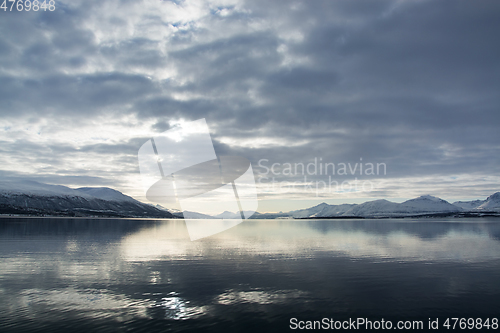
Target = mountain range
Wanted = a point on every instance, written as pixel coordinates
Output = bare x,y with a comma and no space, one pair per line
27,197
425,205
33,198
422,206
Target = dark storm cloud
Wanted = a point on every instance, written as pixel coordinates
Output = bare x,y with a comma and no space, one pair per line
44,42
413,84
229,61
70,95
404,83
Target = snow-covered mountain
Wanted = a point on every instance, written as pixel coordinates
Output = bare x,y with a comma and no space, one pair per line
428,204
377,208
491,204
106,193
223,215
229,215
34,198
334,210
17,187
309,211
422,206
469,205
322,210
425,205
193,215
419,206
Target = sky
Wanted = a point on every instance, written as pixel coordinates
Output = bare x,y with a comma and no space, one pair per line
408,86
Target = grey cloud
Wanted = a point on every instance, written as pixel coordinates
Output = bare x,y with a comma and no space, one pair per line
139,52
413,84
60,179
71,95
228,64
161,126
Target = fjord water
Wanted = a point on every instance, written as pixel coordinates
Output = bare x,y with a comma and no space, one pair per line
83,275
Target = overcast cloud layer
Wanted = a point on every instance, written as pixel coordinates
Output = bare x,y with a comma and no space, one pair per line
412,84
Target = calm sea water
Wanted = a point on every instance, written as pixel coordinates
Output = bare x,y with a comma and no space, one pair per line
80,275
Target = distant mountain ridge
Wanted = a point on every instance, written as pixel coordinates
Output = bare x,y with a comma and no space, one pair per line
421,206
34,198
322,210
106,193
468,205
491,203
425,205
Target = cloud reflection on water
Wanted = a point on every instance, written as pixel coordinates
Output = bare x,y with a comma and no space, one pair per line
119,273
376,239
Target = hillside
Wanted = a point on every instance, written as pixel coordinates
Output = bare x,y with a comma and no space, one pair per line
34,198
